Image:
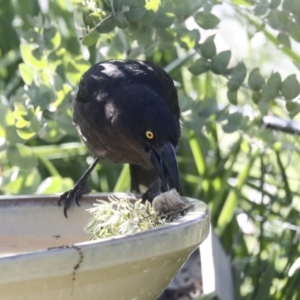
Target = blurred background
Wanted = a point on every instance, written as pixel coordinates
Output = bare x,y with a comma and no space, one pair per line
234,62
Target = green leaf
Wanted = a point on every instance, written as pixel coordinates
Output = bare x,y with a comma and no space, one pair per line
232,96
274,3
166,36
164,20
200,66
123,180
32,56
283,17
54,184
284,39
93,19
24,181
291,6
220,62
290,87
256,97
237,76
135,13
261,8
26,73
75,68
52,38
271,89
62,95
51,133
292,107
255,80
264,106
121,20
22,157
11,135
198,155
107,25
265,282
148,18
206,21
91,38
229,207
234,120
188,39
269,92
26,133
152,5
275,80
208,48
6,115
273,20
295,31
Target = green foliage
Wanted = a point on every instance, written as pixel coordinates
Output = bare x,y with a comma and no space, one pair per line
246,173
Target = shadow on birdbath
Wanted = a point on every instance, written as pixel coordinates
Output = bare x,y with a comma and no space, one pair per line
43,255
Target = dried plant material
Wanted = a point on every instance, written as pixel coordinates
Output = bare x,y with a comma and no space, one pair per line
121,216
170,205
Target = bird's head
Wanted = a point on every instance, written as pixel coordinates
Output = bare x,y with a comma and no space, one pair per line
153,130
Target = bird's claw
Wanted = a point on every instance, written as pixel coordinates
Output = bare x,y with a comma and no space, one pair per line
71,195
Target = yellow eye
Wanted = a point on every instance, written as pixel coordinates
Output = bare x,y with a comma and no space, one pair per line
149,135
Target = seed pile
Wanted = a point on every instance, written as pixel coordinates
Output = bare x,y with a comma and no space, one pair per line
121,216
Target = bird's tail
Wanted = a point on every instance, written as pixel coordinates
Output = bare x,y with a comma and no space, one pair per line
141,178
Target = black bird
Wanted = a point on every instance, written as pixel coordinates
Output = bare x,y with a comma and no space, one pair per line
127,112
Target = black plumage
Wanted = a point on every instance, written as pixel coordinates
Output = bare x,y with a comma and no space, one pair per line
127,112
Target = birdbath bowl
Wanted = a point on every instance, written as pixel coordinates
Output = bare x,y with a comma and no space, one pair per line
43,255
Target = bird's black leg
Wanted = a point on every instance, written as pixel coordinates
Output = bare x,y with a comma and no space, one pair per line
78,190
153,190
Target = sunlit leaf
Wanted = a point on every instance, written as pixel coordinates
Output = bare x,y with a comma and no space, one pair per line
152,5
75,68
93,19
6,115
90,38
52,38
188,38
54,184
26,73
32,56
50,132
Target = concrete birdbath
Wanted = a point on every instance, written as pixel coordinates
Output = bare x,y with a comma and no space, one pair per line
43,255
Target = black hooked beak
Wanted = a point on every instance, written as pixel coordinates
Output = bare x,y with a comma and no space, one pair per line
165,164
